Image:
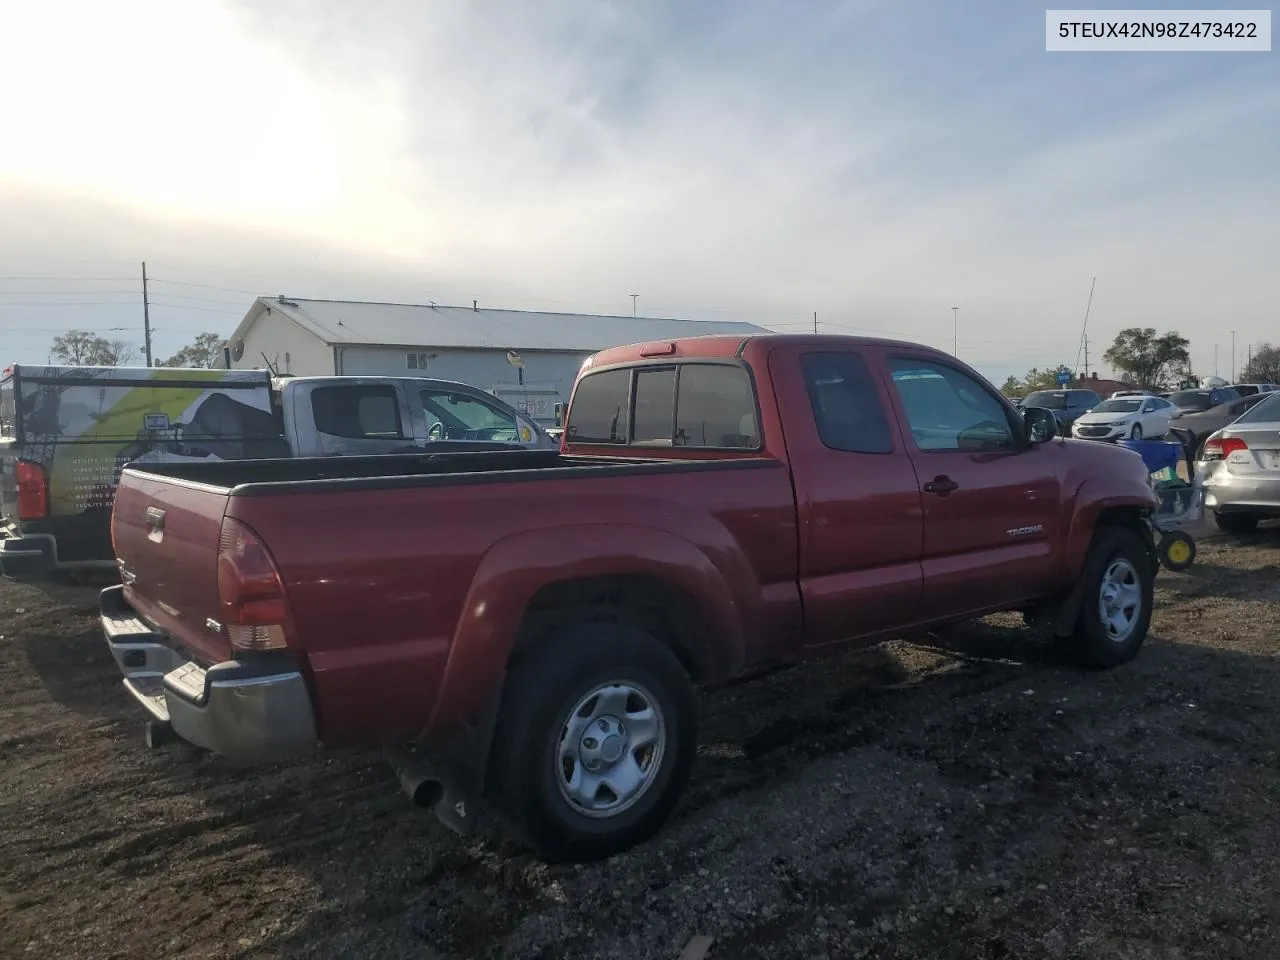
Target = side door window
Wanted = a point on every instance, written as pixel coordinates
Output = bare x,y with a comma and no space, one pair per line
461,416
947,410
357,417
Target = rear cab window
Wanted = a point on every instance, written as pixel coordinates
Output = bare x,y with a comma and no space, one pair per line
846,406
357,412
695,405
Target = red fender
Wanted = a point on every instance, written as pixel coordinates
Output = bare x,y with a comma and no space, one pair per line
513,570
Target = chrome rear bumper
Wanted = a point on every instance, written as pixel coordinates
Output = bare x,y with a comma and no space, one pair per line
250,711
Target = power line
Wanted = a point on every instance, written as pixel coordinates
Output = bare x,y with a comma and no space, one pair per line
187,306
69,279
207,286
192,296
68,303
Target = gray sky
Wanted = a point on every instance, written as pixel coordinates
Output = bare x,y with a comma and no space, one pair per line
875,162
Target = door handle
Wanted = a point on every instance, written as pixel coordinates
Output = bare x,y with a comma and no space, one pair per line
941,485
155,518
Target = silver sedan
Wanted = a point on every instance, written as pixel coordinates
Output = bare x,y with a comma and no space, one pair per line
1240,467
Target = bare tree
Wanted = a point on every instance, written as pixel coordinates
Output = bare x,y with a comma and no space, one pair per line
84,348
1263,366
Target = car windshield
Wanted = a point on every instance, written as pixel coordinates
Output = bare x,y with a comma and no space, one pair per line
1121,405
1191,400
1046,399
1266,410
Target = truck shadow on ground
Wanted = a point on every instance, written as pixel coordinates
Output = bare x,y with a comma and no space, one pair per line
387,874
1204,579
990,699
354,870
75,670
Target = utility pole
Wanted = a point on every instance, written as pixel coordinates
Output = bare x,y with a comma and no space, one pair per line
634,297
955,332
1233,356
146,316
1215,359
815,321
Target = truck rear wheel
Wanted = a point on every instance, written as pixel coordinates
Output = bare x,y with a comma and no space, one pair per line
1117,585
595,741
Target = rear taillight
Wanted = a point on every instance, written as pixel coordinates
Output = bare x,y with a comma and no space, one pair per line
250,592
33,490
1219,448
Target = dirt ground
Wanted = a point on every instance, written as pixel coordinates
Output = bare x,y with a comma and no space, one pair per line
972,798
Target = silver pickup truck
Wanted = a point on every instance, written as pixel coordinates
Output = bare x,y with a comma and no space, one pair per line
66,432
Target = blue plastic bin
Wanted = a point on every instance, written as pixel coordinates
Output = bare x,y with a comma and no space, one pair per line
1158,455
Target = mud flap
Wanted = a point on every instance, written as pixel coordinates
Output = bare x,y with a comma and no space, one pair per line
450,776
1064,620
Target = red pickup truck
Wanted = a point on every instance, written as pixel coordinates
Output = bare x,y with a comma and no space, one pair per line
528,627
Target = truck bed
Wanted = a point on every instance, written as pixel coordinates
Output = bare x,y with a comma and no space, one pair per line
491,463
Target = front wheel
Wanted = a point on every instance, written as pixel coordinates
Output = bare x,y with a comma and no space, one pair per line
594,743
1117,586
1136,432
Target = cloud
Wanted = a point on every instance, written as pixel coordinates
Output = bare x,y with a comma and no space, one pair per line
874,162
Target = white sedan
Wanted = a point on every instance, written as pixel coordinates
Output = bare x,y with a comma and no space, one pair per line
1125,418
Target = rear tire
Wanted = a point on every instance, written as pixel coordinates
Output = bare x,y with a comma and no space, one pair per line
1117,585
1237,522
574,712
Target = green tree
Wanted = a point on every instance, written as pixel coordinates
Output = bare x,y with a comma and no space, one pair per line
84,348
1035,379
204,351
1147,359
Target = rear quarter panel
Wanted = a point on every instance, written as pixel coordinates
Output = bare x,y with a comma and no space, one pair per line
393,589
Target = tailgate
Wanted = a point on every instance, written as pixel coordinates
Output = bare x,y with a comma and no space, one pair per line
166,541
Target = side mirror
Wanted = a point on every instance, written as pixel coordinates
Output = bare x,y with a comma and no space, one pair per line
559,410
1041,424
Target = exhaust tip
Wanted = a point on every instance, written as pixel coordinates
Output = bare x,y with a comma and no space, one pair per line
423,790
158,734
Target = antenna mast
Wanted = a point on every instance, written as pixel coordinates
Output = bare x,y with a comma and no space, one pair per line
1084,329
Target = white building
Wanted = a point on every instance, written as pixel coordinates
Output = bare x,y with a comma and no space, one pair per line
529,359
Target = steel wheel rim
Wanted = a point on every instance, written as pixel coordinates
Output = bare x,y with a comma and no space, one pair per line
1120,600
610,749
1179,552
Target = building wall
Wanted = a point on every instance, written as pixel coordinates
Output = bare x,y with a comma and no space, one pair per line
290,348
548,377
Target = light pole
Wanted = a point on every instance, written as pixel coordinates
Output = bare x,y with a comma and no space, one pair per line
955,332
634,297
1233,356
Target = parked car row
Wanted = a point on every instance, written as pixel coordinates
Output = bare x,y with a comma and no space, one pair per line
1231,434
717,505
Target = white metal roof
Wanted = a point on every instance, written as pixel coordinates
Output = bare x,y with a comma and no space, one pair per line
347,322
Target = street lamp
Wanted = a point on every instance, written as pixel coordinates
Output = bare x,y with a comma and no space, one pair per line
955,332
